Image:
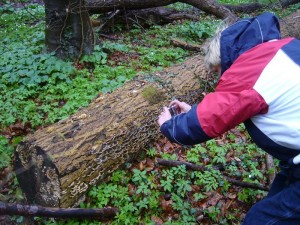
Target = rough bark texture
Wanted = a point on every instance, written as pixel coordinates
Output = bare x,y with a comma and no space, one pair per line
209,6
68,28
145,17
286,3
245,8
58,164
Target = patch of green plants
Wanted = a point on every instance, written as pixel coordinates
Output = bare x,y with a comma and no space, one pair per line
5,152
40,89
151,152
287,11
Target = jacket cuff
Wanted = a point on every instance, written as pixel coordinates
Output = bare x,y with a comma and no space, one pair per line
184,128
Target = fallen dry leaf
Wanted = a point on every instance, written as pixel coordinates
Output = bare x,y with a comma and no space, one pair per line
214,198
156,220
166,205
231,195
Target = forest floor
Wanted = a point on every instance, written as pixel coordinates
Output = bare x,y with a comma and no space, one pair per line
144,191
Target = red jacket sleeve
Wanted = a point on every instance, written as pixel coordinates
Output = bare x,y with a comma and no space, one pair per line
220,111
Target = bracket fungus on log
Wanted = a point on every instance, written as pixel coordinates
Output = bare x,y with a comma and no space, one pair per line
58,164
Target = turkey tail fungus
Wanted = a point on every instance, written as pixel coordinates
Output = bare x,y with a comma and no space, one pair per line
56,165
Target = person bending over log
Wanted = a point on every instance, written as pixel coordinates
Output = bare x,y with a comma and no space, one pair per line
259,85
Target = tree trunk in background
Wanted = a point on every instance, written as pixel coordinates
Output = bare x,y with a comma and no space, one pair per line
57,165
68,30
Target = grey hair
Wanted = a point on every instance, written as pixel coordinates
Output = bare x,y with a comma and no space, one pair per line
213,48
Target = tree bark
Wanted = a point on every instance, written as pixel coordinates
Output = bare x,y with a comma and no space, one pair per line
145,17
68,30
103,214
286,3
209,6
58,164
245,8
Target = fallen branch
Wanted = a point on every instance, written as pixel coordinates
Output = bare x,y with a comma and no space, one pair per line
181,16
208,6
286,3
103,214
148,17
246,184
108,37
193,166
188,165
185,45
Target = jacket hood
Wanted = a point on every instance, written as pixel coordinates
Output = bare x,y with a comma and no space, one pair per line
246,34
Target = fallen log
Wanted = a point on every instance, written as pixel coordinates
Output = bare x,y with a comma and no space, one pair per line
208,6
103,214
192,166
145,17
58,164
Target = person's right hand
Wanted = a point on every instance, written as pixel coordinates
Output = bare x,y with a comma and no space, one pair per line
184,107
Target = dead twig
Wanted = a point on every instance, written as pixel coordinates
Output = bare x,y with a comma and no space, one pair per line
192,166
185,45
103,214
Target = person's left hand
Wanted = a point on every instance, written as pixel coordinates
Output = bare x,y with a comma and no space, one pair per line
164,116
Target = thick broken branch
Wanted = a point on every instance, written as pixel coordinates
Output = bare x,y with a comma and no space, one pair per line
286,3
185,45
208,6
245,8
193,166
146,17
103,214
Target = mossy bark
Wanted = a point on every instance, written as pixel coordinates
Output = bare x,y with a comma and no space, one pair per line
59,163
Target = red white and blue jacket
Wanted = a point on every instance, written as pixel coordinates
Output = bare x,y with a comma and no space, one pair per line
260,86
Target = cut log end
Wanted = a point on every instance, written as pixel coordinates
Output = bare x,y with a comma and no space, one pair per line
37,175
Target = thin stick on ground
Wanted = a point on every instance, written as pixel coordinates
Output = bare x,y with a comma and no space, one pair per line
185,45
192,166
103,214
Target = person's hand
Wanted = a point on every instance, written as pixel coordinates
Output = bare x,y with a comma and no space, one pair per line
164,116
184,107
